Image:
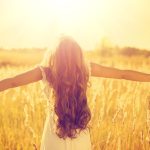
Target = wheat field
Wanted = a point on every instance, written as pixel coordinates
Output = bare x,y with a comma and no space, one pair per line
120,110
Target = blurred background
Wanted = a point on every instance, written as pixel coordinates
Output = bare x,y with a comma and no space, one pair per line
113,33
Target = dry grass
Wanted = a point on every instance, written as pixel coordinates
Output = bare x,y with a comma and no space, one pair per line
120,110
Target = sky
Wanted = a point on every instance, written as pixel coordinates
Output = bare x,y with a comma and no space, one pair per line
40,23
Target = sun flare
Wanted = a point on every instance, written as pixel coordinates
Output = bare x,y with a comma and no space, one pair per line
35,23
69,17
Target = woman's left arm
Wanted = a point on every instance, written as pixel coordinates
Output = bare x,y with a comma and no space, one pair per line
30,76
109,72
136,76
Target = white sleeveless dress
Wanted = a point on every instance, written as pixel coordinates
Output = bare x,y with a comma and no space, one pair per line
50,140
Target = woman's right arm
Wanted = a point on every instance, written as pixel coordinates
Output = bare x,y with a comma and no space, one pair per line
24,78
109,72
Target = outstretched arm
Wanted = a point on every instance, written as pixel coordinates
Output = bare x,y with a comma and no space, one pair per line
21,79
109,72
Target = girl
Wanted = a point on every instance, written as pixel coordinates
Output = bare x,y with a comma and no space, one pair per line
65,77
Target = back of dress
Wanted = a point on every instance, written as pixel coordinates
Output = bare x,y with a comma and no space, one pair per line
50,140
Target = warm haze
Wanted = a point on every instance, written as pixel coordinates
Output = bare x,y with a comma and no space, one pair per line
38,23
120,108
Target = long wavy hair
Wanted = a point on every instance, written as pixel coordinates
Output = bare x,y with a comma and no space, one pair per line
69,77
